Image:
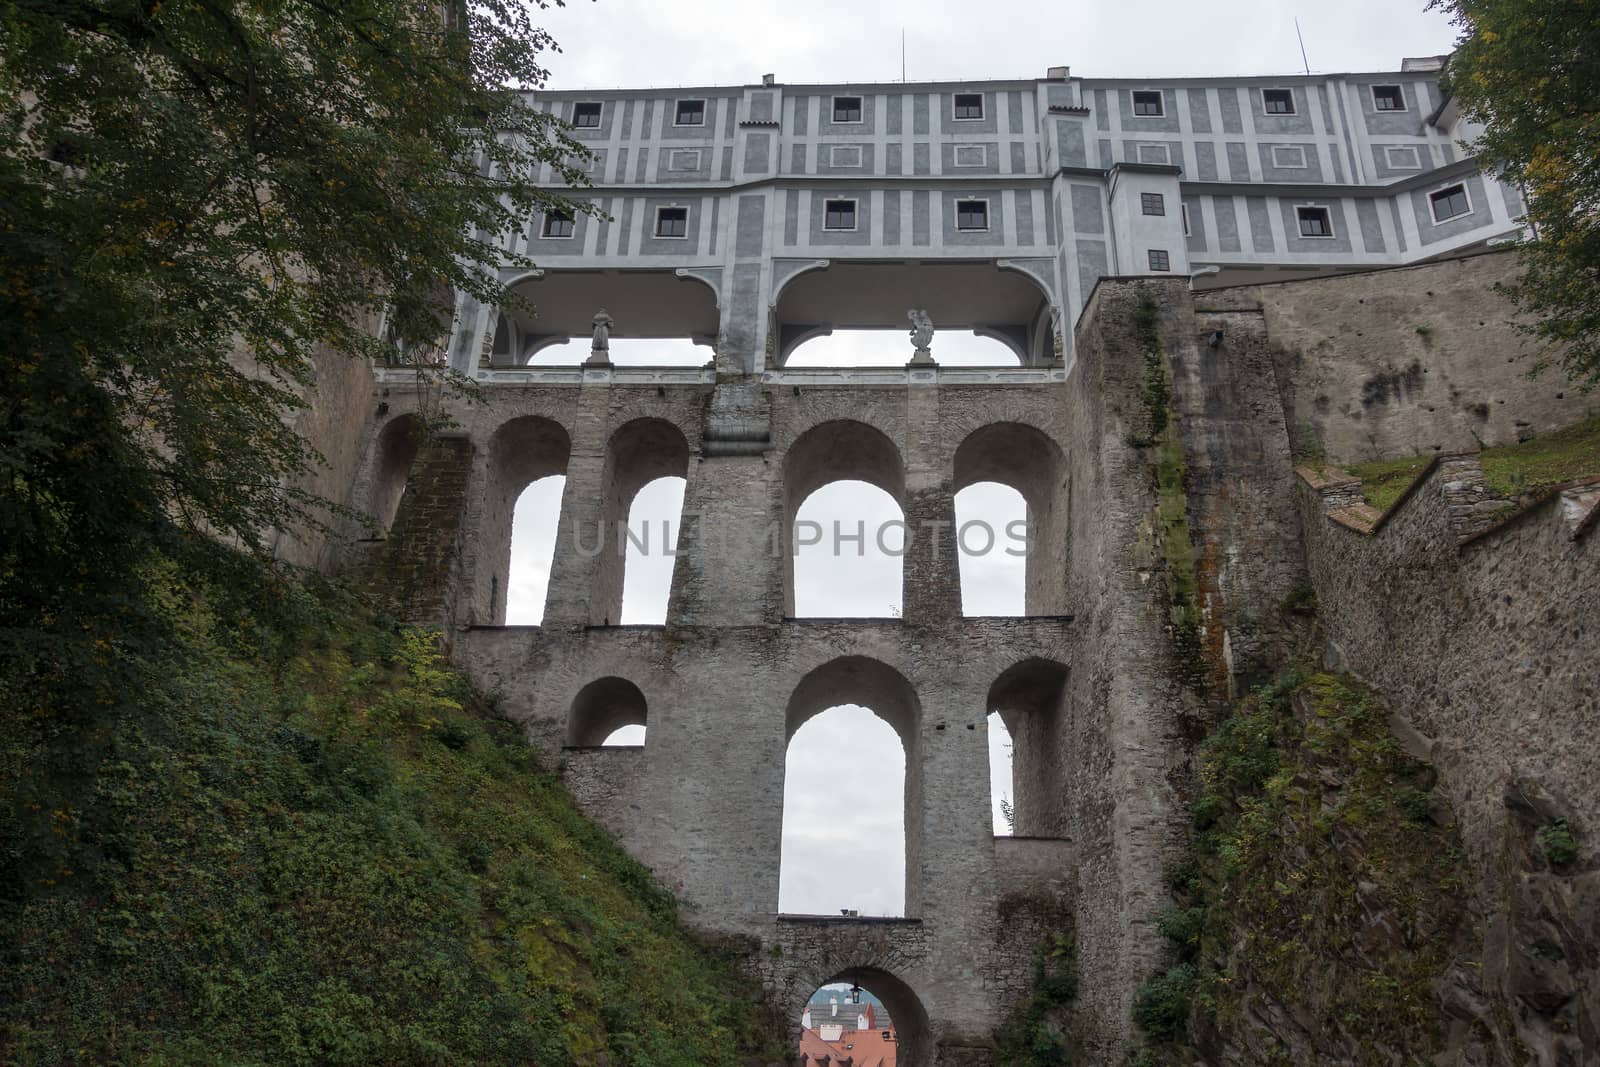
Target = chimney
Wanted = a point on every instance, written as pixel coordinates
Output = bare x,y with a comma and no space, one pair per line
769,80
1058,74
835,1003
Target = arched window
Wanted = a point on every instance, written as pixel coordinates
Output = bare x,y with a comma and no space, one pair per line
607,712
1028,698
852,792
658,317
653,520
1024,459
991,536
1002,793
535,523
394,453
844,528
525,475
641,454
864,1015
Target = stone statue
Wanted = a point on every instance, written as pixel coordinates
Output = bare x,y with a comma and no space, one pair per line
921,336
600,347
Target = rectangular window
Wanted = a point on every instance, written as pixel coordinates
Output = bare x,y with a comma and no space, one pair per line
847,109
690,113
672,222
1314,221
1159,260
1154,153
1388,98
1152,204
844,155
1148,102
839,215
972,215
1403,158
683,159
1450,203
586,116
971,155
969,105
557,223
1277,101
1288,157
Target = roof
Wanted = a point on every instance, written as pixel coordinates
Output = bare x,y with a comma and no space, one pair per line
865,1048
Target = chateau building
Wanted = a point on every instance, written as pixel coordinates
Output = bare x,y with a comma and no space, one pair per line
995,206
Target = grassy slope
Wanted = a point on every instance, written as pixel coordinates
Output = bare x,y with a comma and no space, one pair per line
339,857
1510,471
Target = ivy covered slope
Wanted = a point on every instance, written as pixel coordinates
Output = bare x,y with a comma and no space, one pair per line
1321,900
320,847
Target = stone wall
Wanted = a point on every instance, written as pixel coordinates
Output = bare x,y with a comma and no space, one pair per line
1406,361
1483,632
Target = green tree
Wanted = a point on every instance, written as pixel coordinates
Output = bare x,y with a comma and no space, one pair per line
201,201
1529,71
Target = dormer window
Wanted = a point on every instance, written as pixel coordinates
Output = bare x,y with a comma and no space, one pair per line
847,109
586,116
690,113
968,106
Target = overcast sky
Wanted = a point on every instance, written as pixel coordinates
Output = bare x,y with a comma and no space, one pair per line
854,824
628,44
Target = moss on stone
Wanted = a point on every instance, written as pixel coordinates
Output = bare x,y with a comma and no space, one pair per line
1316,886
1564,456
1383,482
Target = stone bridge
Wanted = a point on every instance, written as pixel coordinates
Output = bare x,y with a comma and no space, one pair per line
731,676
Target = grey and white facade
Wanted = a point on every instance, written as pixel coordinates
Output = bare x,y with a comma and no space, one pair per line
994,205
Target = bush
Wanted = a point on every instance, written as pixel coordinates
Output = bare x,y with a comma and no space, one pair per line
1161,1006
1556,844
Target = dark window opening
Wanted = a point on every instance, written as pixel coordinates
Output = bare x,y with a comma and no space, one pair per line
1148,103
969,106
1152,204
586,116
690,113
1388,98
1315,222
1278,101
1159,260
558,224
972,215
1450,203
847,109
672,222
839,215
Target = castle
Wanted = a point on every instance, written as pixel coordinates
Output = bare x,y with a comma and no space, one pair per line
1192,274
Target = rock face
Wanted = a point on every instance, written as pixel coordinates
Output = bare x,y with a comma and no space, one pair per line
1177,566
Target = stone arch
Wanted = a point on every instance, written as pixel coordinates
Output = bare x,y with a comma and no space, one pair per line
877,686
1029,461
1029,697
600,708
913,1032
394,451
833,451
639,451
521,451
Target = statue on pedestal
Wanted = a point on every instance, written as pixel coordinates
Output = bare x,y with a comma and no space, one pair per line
600,347
921,337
